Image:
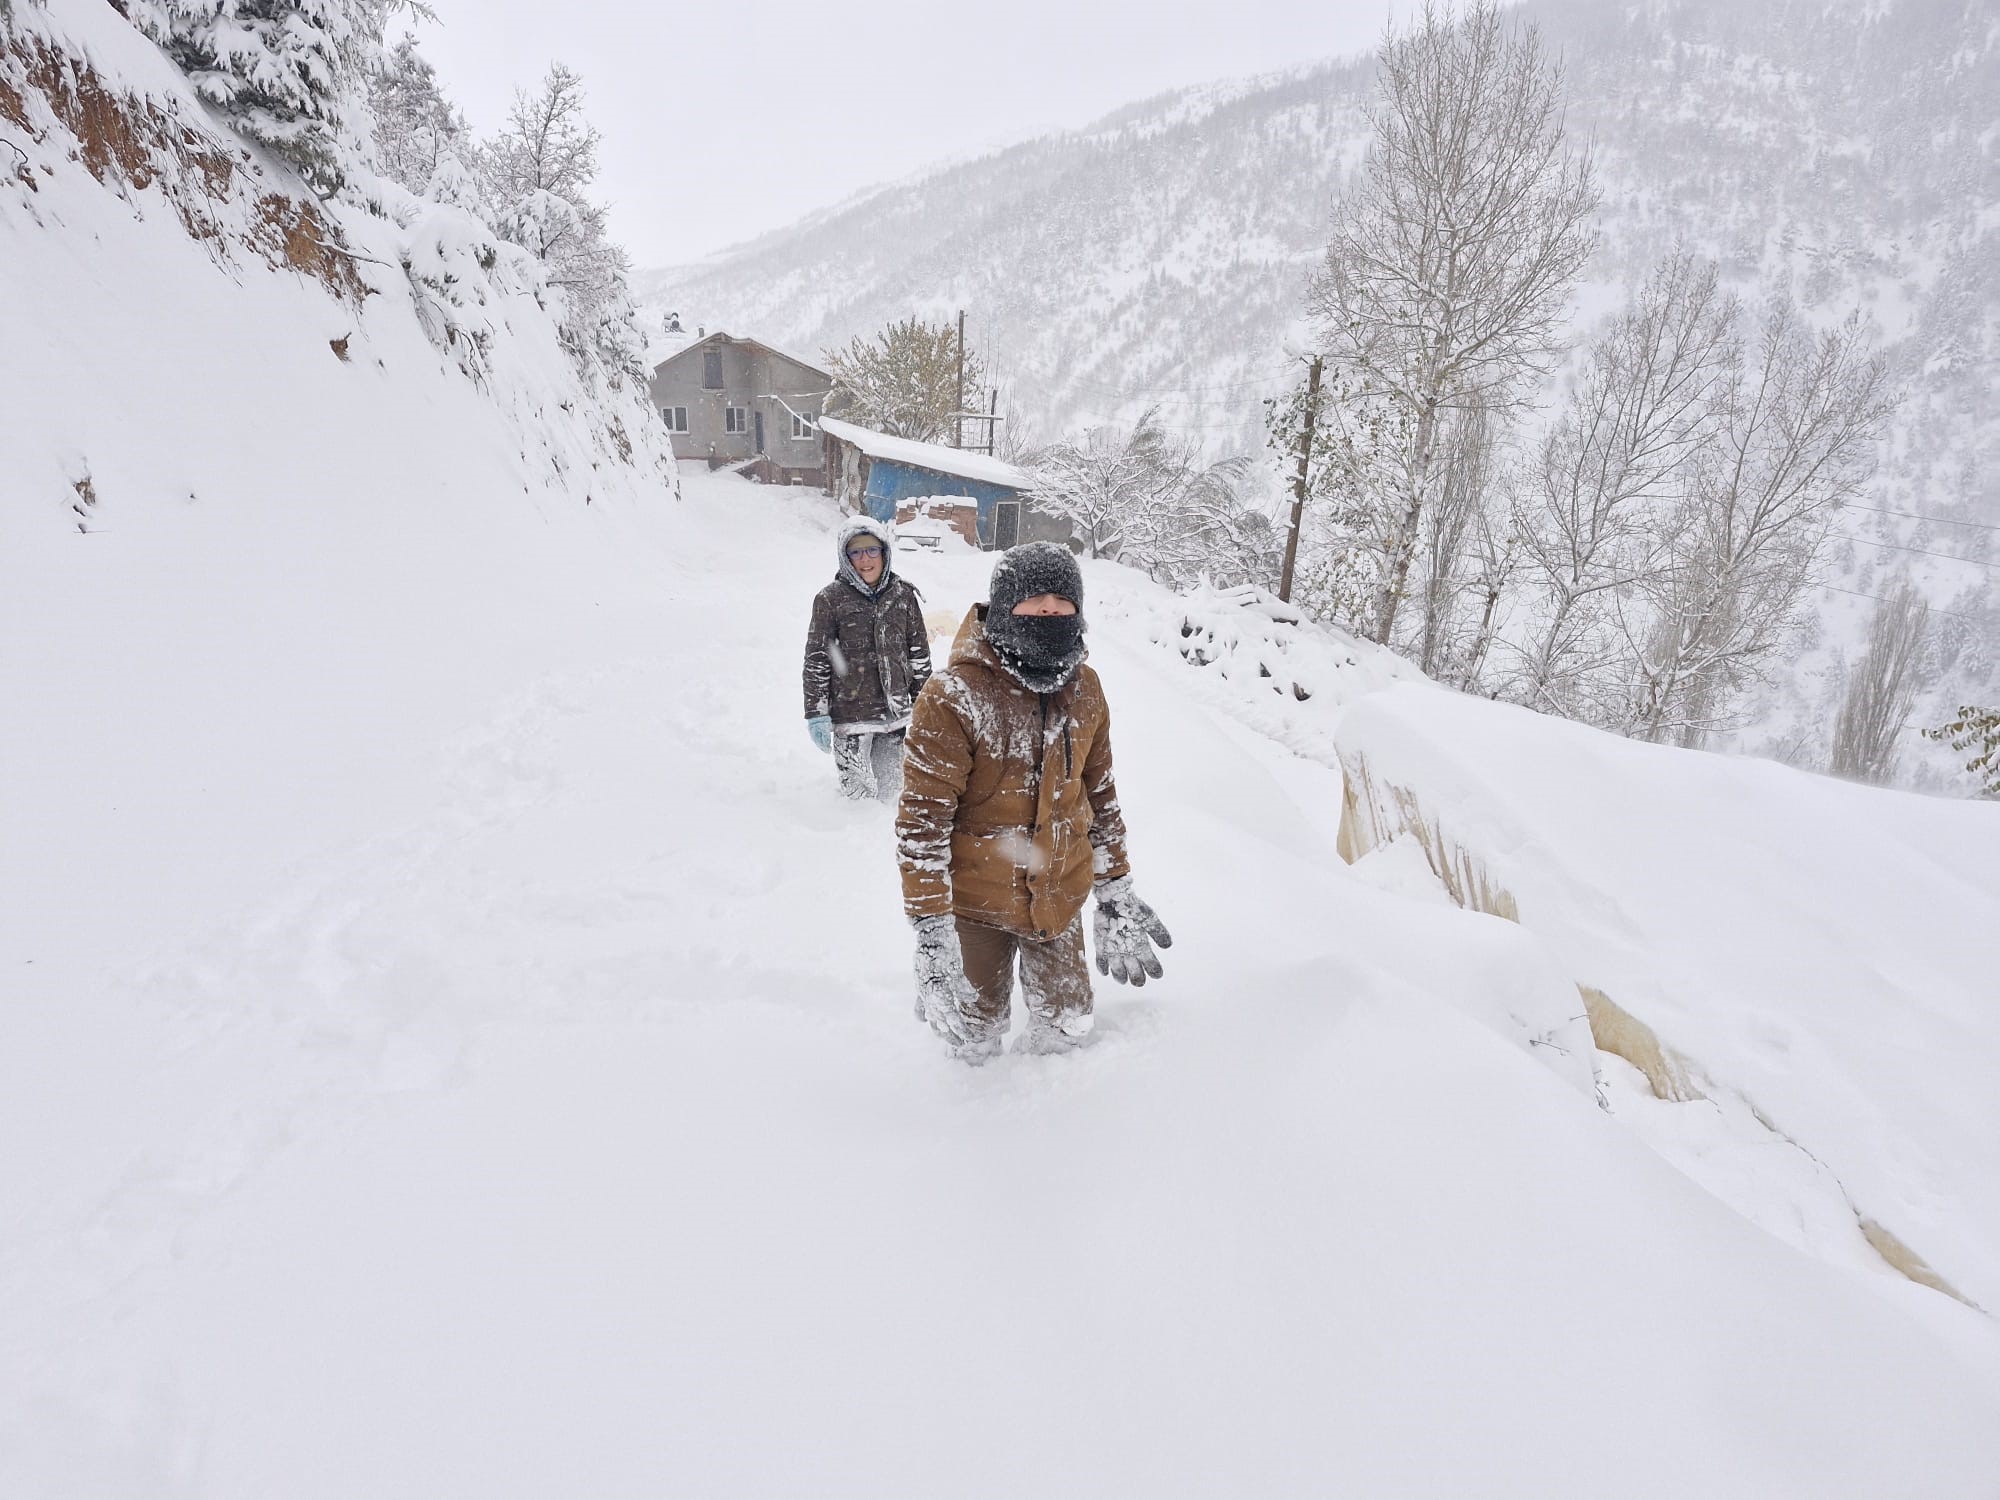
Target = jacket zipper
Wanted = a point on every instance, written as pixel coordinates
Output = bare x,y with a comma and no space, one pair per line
1041,753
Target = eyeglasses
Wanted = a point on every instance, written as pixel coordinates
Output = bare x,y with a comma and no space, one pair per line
860,552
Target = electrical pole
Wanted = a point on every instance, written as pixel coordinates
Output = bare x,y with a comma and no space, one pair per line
1299,483
958,402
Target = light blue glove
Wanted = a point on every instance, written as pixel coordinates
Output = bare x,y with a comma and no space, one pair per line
821,729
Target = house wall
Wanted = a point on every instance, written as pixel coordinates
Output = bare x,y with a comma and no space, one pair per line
752,378
804,391
678,382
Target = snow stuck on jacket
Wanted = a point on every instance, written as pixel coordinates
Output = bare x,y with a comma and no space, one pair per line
454,1038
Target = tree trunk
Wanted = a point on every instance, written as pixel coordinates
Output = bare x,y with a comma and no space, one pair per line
1405,543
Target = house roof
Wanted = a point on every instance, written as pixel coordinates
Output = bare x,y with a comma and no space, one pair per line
933,456
719,337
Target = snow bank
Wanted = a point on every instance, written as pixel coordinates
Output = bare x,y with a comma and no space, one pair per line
1824,951
1805,964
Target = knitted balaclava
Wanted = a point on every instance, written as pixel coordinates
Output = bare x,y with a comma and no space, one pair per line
1040,651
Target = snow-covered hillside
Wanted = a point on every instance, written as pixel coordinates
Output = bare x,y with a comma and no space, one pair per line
1844,151
454,1040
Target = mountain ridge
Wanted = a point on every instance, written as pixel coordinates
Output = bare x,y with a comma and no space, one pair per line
1841,154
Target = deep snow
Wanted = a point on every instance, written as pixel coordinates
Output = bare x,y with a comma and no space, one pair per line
454,1040
552,1119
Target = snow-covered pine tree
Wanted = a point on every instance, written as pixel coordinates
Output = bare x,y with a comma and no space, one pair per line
416,127
1348,530
287,73
1977,730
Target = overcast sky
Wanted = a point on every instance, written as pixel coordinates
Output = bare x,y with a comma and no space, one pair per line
723,120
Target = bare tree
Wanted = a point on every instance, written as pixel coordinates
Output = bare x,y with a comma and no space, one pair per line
1152,500
904,381
1457,516
1881,690
1590,491
1445,281
541,168
1795,438
1495,557
1100,481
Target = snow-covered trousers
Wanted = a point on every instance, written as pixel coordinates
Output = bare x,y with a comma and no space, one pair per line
1055,979
870,763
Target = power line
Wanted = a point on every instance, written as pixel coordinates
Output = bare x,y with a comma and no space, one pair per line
1191,391
1916,515
1899,547
1931,608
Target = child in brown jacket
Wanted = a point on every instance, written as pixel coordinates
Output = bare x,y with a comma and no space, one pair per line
1009,819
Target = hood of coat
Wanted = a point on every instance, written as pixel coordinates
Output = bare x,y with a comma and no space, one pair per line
970,647
845,533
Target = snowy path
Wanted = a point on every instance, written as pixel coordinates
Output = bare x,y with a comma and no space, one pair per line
572,1136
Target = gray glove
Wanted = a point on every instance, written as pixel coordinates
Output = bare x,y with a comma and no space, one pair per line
944,994
1126,929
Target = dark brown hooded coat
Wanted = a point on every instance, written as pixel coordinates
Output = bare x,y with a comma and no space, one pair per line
1009,809
867,650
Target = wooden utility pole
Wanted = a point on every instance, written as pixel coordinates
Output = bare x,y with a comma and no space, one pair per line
958,403
1299,483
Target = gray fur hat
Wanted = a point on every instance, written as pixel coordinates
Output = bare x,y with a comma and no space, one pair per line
1034,568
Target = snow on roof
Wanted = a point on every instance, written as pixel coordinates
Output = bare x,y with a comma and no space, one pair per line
933,456
665,347
720,337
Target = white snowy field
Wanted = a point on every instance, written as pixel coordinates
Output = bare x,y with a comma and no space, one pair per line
456,1043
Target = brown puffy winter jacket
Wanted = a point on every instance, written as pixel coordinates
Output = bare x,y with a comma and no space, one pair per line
1009,809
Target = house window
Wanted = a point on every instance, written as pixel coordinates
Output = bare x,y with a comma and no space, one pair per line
803,429
711,370
676,418
736,419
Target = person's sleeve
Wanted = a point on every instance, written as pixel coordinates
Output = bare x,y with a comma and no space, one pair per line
1108,859
819,667
920,647
937,762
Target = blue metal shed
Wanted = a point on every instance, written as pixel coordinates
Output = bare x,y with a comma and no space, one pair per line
875,471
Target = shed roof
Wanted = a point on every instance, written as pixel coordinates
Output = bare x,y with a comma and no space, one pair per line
933,456
724,338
